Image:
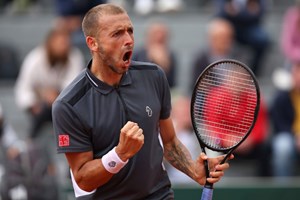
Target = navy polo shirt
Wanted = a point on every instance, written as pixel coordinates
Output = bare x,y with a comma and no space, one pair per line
89,114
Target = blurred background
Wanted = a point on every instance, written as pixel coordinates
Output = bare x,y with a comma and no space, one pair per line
182,37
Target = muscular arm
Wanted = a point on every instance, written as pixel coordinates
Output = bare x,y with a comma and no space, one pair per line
178,156
89,173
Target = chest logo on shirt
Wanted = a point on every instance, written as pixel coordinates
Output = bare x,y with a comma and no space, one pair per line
63,140
149,111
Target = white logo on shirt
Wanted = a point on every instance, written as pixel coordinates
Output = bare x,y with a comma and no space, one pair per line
149,111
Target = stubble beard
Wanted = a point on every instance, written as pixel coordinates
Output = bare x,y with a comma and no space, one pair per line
108,60
116,70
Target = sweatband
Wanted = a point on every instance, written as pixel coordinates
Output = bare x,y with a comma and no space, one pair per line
112,163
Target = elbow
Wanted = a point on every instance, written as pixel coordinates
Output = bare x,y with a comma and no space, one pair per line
86,188
80,185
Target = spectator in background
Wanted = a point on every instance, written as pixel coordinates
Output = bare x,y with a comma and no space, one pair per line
69,15
246,17
256,146
290,37
26,172
220,38
46,70
285,116
10,149
157,50
9,141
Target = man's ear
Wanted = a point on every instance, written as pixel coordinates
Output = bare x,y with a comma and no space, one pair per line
92,43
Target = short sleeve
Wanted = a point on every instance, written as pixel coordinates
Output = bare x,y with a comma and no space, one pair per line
70,133
165,95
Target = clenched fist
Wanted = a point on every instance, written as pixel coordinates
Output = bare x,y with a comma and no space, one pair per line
131,140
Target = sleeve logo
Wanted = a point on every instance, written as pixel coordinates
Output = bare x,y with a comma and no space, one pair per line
63,140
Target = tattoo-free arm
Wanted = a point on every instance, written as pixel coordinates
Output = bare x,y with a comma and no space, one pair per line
89,173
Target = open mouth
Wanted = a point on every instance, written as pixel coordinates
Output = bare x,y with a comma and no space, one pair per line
127,56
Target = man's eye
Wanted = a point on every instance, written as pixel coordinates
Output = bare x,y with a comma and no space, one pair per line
116,34
130,31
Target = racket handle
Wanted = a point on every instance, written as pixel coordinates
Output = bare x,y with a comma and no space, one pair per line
207,193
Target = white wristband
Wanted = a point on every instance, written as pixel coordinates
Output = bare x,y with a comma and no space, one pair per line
112,163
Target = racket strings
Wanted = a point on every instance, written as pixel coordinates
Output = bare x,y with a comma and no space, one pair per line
211,82
235,130
225,105
251,102
216,139
218,76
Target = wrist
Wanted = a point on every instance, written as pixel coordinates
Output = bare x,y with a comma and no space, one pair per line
112,162
121,155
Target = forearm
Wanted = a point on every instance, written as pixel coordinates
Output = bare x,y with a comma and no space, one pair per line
92,175
179,157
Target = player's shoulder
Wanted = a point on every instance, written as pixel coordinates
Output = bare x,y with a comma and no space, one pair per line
75,90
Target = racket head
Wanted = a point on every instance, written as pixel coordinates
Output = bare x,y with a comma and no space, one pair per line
224,105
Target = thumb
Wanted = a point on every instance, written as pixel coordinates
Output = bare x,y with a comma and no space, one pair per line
203,156
201,169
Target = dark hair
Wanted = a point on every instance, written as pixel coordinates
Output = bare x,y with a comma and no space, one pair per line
53,33
91,18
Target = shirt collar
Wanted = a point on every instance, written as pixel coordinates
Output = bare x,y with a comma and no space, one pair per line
103,87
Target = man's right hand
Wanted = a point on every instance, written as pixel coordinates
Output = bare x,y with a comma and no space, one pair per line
131,140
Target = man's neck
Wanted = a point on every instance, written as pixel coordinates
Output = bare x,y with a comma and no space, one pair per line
105,74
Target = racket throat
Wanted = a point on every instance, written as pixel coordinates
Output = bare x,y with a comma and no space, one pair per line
227,155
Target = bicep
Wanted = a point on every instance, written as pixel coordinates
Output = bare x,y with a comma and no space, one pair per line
77,160
167,131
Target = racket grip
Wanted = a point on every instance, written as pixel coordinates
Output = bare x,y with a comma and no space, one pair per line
207,193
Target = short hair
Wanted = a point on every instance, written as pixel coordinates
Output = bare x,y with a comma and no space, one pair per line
57,30
91,18
217,23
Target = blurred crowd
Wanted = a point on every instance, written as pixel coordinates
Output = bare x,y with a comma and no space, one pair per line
235,27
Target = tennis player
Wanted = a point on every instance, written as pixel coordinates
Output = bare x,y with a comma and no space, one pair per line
108,120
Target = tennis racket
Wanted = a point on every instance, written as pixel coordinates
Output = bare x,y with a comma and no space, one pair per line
224,108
